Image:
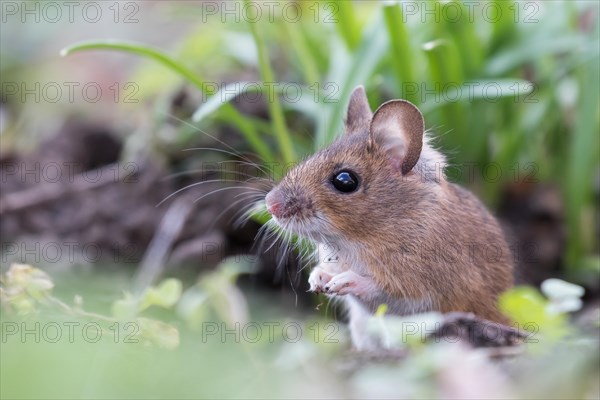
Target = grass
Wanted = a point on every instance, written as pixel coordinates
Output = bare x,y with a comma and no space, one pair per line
184,344
546,116
275,110
493,91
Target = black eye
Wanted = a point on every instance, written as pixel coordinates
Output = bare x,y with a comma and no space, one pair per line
345,181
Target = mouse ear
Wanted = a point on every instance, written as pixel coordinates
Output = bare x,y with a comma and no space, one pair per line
359,114
397,127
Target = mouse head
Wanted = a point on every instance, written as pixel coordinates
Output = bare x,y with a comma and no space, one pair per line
363,181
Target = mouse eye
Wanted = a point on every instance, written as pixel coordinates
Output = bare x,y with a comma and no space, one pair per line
345,181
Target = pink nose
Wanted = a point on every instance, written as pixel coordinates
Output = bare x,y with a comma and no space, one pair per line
274,204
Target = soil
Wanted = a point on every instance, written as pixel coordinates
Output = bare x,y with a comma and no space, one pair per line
99,210
74,197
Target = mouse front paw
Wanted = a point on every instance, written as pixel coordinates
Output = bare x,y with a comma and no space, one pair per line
349,282
317,280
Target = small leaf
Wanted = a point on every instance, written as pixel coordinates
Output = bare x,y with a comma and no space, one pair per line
381,310
23,305
126,308
158,333
33,280
523,305
165,295
532,312
169,292
193,306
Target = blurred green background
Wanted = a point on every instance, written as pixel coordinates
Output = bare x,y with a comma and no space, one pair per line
509,91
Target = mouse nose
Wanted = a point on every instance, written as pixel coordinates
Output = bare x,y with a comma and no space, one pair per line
274,203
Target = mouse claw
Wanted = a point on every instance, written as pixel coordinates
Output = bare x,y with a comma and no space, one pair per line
349,282
315,290
317,279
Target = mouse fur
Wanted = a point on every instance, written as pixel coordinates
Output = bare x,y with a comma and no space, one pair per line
406,237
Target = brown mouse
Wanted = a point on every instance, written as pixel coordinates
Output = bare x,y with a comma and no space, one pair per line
389,227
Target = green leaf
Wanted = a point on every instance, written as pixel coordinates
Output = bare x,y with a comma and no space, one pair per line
248,128
169,292
225,95
381,310
165,295
526,307
139,49
24,305
158,333
445,68
347,71
486,89
346,23
194,306
275,110
400,47
463,33
583,156
308,63
229,112
126,308
531,50
32,280
231,91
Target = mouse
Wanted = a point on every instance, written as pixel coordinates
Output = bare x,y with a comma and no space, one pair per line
388,226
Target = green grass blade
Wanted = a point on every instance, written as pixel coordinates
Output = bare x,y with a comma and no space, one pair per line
504,28
490,88
465,36
139,49
224,96
232,114
583,160
347,26
306,60
275,110
401,49
532,50
445,69
362,63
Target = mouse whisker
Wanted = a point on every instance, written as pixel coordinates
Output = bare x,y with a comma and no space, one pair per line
266,233
225,175
234,151
247,196
202,183
222,189
260,168
244,214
